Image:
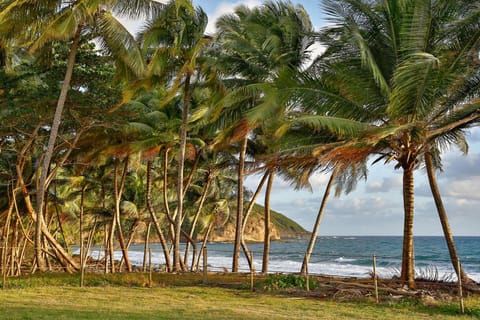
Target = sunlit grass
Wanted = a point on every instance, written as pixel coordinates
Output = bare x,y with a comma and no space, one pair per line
127,296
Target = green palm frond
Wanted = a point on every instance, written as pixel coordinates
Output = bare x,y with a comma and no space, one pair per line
413,91
119,43
341,127
62,27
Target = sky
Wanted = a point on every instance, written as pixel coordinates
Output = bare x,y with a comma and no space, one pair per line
375,207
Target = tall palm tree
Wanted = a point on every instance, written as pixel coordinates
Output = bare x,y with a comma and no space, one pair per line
47,21
256,46
407,69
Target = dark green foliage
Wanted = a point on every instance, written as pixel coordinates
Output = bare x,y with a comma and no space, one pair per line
288,281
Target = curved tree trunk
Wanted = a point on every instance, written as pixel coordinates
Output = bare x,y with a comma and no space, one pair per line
251,204
153,216
195,219
442,214
239,222
118,198
266,240
181,165
408,269
316,227
165,194
42,185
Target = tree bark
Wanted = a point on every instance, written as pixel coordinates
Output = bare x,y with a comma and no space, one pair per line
316,227
408,268
442,214
41,186
239,222
267,232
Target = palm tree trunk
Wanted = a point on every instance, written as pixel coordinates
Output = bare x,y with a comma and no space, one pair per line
251,204
442,214
239,222
153,216
42,187
118,197
80,231
146,246
408,269
195,219
165,194
181,165
316,227
266,241
204,243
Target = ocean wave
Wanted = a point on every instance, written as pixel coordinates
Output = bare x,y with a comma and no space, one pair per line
343,259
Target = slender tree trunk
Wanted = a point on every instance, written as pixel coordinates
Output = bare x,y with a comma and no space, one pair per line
251,204
41,186
266,240
204,242
91,234
165,194
408,268
195,219
131,236
181,165
146,246
318,221
82,254
118,198
442,214
154,219
239,222
5,235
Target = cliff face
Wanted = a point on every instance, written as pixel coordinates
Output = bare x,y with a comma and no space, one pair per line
254,231
282,228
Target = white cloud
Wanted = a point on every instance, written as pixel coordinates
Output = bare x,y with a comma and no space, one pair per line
464,189
387,184
319,180
225,8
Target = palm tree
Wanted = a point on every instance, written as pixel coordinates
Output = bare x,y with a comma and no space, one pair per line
406,69
47,21
256,46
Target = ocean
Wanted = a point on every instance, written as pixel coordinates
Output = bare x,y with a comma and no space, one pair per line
341,256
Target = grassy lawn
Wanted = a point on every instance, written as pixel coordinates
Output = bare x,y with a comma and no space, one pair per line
42,298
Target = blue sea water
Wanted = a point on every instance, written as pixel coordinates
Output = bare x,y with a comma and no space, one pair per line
342,255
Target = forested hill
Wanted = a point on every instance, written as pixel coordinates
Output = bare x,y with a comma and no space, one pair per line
283,228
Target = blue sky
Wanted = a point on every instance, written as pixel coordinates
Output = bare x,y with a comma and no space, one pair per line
376,206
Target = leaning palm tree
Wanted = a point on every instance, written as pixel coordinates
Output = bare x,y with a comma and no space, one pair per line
40,23
256,46
408,71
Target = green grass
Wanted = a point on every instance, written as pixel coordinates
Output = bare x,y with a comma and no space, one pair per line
182,297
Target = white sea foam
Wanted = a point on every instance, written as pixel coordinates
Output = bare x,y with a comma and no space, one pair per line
343,259
341,266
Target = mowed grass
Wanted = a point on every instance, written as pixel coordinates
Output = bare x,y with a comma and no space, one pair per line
30,299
